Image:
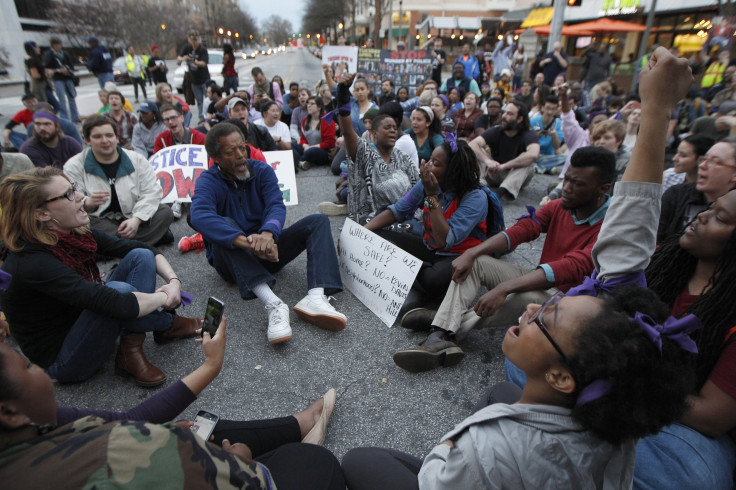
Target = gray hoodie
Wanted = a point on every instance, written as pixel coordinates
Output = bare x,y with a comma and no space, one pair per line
526,446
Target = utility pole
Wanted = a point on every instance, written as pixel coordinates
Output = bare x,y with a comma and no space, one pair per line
644,41
555,31
401,6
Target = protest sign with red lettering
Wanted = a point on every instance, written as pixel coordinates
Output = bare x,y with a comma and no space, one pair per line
178,167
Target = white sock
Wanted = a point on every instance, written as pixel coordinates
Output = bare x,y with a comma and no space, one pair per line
264,293
316,292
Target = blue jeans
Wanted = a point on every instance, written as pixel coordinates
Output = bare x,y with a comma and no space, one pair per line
17,139
103,78
683,458
312,234
65,91
199,97
316,156
91,339
230,83
514,374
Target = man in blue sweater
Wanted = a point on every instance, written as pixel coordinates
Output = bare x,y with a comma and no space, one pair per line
100,61
239,210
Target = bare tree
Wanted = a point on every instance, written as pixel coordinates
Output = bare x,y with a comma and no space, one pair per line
277,29
81,19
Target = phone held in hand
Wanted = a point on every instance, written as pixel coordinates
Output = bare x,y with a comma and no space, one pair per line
212,316
204,424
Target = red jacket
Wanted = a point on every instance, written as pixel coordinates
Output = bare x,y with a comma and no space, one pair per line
567,248
327,131
166,139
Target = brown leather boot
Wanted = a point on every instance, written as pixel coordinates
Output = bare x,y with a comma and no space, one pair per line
181,328
130,360
438,349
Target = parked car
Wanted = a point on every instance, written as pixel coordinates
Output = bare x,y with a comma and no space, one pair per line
214,65
120,71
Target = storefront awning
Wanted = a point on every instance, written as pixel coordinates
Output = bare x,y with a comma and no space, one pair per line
468,23
538,17
395,32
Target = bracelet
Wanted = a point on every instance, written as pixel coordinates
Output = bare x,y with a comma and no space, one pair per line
430,203
175,279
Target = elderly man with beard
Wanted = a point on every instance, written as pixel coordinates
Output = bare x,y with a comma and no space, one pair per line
514,149
239,209
571,225
49,146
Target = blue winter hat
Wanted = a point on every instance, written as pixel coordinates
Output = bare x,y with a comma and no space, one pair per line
93,39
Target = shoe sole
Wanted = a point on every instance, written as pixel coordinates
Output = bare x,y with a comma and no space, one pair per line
280,339
331,323
126,374
417,328
332,210
417,361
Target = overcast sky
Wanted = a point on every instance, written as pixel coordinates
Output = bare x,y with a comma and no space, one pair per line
291,10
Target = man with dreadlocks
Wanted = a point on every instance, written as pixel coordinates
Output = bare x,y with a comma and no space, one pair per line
571,223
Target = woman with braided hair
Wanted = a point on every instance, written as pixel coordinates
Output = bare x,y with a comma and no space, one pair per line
454,210
695,272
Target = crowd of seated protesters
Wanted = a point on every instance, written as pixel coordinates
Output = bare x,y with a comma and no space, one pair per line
407,174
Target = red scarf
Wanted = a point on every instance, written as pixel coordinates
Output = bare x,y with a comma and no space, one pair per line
77,252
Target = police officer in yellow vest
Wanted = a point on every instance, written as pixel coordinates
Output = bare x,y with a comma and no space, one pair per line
714,72
136,71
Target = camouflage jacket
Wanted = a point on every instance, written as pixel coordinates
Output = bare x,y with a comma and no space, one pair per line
92,454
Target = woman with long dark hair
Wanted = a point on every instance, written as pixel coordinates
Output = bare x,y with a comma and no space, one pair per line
425,131
229,74
317,135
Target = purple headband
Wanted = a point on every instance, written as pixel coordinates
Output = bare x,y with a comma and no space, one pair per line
593,391
451,138
675,329
444,99
532,214
330,116
46,115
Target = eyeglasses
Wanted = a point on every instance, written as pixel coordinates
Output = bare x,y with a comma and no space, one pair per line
537,318
709,159
170,119
70,194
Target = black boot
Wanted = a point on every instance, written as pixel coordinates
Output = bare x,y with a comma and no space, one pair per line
437,350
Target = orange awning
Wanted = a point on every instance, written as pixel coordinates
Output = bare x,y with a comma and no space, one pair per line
566,31
605,24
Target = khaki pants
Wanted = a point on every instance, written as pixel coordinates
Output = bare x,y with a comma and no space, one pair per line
513,180
454,315
150,231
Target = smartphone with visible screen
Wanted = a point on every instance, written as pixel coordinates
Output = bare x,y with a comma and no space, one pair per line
212,316
204,424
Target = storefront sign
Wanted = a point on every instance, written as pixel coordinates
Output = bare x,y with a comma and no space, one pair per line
612,8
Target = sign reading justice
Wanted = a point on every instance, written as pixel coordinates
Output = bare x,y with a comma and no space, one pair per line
178,168
376,271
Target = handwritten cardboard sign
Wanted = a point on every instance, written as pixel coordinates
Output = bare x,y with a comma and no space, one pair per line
376,271
178,168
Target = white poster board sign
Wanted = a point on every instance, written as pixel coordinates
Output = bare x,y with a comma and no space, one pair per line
282,163
376,271
341,59
178,167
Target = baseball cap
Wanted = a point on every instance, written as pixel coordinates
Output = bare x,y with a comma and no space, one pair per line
727,108
147,106
235,100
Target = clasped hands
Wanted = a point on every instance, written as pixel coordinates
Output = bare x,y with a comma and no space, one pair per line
262,246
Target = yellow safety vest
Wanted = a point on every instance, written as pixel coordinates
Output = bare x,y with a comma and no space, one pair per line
131,65
713,75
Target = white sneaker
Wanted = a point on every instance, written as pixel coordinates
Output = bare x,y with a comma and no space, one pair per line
176,209
305,165
332,208
318,311
279,328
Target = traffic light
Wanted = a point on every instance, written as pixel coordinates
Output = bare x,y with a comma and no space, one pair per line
574,3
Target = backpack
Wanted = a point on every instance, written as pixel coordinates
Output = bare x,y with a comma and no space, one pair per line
494,220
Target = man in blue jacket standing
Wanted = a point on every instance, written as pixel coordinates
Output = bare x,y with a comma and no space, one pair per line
469,62
100,61
239,210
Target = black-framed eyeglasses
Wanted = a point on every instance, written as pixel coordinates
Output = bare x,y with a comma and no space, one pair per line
537,318
70,194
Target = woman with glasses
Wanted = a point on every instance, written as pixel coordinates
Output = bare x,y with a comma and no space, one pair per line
715,176
602,370
61,312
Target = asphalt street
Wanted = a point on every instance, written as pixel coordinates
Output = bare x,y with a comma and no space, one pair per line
378,404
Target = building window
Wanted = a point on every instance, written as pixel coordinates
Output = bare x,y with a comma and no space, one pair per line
33,9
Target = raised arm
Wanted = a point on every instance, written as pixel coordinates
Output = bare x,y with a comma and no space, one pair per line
346,122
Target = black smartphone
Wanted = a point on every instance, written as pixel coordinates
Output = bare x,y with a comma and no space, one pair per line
204,424
212,316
